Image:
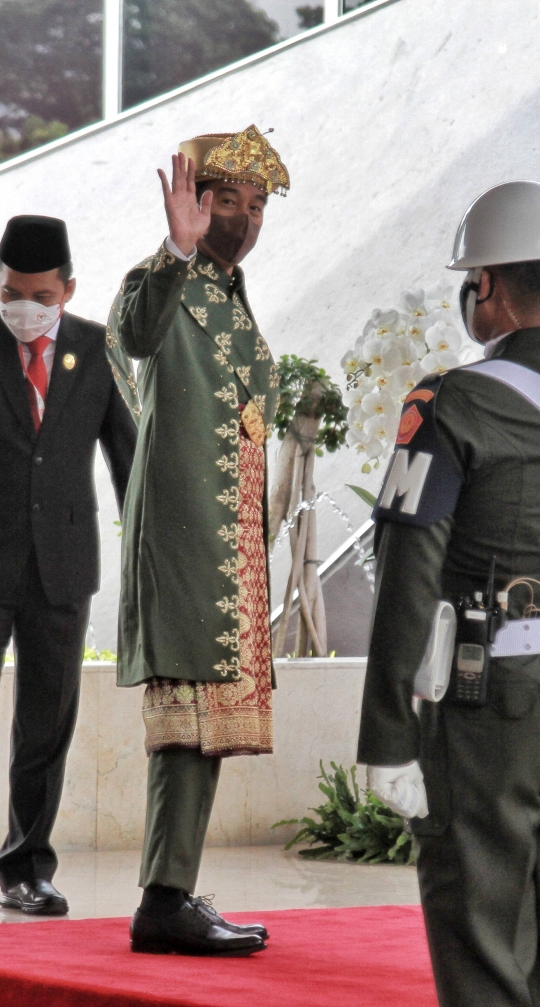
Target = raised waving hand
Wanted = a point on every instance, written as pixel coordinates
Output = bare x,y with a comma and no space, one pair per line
187,220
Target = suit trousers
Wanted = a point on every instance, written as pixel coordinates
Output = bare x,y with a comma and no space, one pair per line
49,643
480,876
182,785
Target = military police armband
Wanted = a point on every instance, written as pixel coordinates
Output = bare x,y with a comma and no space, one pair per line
422,484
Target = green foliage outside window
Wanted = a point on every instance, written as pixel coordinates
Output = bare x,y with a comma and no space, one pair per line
51,57
361,832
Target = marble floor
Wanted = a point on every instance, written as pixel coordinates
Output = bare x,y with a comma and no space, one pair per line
243,878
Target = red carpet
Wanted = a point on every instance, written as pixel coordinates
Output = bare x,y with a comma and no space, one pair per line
369,957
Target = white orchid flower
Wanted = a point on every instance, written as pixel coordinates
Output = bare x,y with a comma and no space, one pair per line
384,428
382,323
440,296
406,378
437,363
356,418
379,404
409,351
441,337
351,362
412,302
382,354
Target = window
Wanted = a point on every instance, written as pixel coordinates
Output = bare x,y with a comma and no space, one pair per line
50,70
170,42
55,55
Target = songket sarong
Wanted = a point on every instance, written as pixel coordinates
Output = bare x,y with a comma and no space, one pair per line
227,718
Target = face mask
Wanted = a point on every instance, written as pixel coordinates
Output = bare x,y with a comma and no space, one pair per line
232,237
27,320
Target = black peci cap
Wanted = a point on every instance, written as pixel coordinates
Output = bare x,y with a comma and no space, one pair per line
32,244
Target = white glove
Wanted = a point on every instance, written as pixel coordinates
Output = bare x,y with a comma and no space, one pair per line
401,788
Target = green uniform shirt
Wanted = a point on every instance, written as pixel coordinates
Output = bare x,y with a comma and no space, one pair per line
491,436
202,354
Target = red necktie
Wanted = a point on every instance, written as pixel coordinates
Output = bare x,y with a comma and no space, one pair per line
36,372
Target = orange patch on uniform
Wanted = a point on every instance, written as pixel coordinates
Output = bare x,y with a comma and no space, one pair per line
420,393
409,424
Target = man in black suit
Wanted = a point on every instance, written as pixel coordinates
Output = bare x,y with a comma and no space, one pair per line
57,399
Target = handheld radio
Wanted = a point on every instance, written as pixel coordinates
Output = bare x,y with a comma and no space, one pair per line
478,620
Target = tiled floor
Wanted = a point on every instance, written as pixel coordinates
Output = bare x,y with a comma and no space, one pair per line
241,877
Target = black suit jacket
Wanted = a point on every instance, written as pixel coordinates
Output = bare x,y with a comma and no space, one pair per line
47,493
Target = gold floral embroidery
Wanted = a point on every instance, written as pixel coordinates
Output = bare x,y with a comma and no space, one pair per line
241,320
227,604
145,264
230,535
164,258
243,374
232,432
229,394
230,498
230,463
200,315
230,569
131,383
273,379
208,271
191,275
222,359
260,401
214,294
116,373
110,338
261,349
224,341
231,640
137,410
224,668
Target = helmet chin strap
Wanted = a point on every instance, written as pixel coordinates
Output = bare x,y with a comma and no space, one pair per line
468,300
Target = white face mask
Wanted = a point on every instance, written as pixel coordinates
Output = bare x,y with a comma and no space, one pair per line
27,320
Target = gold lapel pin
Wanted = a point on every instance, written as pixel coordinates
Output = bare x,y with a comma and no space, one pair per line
69,361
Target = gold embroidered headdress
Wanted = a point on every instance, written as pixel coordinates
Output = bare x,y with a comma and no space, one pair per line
238,157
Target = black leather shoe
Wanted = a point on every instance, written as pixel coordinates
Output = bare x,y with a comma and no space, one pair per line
204,902
37,897
189,932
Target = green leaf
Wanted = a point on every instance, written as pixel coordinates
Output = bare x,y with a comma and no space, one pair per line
364,495
351,828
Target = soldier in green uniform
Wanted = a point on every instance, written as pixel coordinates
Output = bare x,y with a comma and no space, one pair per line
194,611
463,486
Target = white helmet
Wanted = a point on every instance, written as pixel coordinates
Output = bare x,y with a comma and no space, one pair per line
502,225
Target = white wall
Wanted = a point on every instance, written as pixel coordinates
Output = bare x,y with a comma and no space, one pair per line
316,716
390,124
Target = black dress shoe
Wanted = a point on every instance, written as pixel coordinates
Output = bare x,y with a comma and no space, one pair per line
189,931
204,903
37,897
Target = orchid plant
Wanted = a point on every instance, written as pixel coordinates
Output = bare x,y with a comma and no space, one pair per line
397,348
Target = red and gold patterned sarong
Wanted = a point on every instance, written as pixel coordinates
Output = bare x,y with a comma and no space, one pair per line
227,718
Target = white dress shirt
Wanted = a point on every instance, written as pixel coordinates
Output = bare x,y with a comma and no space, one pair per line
171,247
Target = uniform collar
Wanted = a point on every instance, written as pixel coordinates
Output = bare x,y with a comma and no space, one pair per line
522,347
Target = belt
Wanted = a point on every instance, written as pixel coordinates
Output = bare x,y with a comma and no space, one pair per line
519,638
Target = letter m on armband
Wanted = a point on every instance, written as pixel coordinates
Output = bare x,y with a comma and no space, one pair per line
405,480
422,484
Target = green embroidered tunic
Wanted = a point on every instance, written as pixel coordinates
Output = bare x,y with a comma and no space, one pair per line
202,354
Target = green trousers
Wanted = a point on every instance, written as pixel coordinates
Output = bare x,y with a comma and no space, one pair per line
181,789
479,850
